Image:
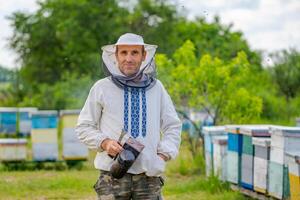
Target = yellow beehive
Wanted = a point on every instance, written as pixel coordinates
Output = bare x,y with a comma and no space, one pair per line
69,118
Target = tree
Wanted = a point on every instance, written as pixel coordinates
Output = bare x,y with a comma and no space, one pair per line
220,88
286,72
65,36
286,75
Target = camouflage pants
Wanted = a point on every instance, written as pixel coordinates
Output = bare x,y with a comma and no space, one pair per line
129,187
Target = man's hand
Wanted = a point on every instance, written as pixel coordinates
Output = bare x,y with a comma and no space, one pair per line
165,158
112,147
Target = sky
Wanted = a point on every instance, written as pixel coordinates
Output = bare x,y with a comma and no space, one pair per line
267,25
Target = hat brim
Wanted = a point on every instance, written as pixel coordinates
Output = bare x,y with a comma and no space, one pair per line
110,60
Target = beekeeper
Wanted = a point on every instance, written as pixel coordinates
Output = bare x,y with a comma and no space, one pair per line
130,98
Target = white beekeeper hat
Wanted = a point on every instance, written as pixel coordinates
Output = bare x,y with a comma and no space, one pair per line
109,57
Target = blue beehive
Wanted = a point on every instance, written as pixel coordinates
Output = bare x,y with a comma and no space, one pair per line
8,120
235,142
234,153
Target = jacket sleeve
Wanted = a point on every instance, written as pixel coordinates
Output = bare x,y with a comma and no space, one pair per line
170,126
87,128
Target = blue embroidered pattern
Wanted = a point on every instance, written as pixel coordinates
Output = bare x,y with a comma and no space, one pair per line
144,112
126,109
135,111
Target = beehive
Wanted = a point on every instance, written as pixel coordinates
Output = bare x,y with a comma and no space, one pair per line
73,149
220,156
44,135
12,149
8,120
283,139
209,133
25,120
261,160
234,152
293,161
247,159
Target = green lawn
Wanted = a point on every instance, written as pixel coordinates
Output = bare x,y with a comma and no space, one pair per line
73,184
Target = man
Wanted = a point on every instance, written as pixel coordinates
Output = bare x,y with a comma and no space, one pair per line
133,100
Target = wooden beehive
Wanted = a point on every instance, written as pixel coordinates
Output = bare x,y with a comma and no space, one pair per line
209,133
293,160
25,120
44,135
73,149
8,120
220,156
283,139
12,149
247,167
234,152
261,160
232,167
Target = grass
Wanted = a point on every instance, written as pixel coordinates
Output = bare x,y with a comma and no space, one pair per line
73,184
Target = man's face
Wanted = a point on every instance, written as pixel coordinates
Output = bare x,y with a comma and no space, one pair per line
130,58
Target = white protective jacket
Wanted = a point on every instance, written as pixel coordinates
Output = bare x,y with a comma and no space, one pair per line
149,116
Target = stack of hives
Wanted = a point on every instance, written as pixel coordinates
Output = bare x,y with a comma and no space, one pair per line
220,156
283,139
73,149
261,163
209,133
260,158
293,161
12,149
44,135
247,159
234,153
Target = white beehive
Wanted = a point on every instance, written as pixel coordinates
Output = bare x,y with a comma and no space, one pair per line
12,149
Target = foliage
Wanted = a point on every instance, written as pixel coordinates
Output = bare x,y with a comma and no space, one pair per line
206,60
216,39
286,72
64,37
67,35
70,93
186,163
223,89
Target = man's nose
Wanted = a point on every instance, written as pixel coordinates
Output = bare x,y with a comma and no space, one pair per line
128,58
